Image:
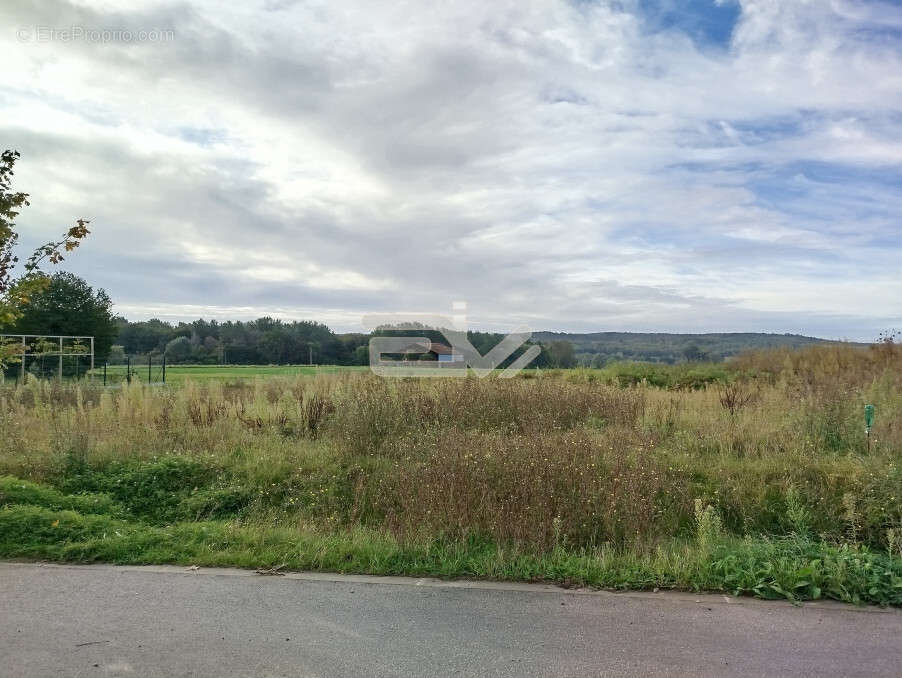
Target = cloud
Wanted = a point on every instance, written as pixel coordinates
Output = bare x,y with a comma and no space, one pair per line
572,165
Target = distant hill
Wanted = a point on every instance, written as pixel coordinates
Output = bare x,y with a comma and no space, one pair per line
596,349
268,341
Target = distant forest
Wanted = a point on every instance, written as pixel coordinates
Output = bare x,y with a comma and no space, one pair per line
598,349
269,341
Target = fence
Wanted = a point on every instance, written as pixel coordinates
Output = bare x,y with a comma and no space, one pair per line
148,370
46,356
59,357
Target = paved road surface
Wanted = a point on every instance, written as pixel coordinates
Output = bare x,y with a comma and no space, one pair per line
165,621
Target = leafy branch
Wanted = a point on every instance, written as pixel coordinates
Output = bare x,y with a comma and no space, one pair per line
17,290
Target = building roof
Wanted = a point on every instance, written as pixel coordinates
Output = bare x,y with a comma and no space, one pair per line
437,347
441,349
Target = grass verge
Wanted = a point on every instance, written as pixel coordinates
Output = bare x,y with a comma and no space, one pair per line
38,522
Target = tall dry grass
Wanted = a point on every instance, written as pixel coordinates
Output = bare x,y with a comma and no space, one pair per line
537,461
582,488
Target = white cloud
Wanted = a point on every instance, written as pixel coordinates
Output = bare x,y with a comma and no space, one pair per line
551,162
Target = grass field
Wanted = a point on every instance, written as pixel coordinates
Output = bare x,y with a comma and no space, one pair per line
755,479
179,373
679,376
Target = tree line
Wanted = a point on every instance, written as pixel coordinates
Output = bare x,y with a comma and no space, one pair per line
270,341
68,305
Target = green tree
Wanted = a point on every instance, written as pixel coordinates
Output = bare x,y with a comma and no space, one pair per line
560,354
178,350
144,337
18,287
67,305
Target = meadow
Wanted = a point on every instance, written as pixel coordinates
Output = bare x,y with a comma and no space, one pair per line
176,374
680,376
753,477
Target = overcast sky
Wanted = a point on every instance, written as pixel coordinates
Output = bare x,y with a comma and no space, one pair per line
645,165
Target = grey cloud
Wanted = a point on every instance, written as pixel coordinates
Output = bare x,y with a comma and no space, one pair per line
544,162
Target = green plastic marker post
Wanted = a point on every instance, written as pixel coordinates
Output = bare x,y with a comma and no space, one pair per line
868,422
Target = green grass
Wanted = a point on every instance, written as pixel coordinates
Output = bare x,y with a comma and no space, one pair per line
683,376
177,374
34,523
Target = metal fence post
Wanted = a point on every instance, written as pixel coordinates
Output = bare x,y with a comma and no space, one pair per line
164,368
104,374
149,363
128,369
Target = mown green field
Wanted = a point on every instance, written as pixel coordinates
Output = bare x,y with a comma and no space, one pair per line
181,373
674,377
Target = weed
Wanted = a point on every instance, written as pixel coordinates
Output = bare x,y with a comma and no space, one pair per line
734,397
708,526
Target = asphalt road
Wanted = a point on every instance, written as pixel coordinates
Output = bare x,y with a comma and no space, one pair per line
167,621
